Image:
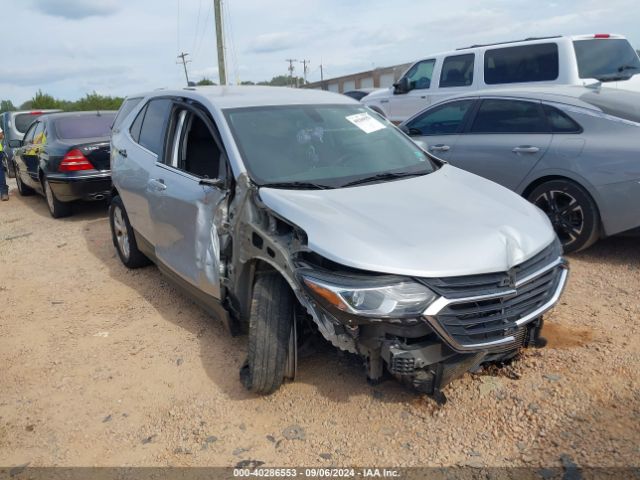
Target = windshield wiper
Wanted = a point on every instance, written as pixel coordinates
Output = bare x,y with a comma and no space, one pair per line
297,185
383,176
622,68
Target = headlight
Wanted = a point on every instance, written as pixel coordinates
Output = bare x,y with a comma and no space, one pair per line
400,299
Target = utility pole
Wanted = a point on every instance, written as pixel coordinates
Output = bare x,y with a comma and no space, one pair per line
183,57
305,68
291,69
217,6
321,77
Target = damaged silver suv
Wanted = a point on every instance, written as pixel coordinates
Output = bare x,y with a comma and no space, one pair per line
286,212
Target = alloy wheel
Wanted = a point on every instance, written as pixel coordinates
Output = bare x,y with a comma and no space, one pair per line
565,212
120,229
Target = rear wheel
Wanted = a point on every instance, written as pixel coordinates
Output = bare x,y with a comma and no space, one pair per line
572,212
57,208
123,237
23,190
272,335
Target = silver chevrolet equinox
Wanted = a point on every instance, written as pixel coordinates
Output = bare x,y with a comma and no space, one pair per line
286,212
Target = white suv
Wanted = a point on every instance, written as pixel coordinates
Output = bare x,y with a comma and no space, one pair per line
562,60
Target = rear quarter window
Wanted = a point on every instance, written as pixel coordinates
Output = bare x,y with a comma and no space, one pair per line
560,122
521,64
127,106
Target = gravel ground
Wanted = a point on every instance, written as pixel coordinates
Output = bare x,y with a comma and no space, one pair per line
105,366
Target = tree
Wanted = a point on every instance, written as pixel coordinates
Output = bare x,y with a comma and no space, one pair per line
205,81
247,82
6,106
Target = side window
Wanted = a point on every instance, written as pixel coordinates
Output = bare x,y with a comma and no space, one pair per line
457,71
28,137
509,116
152,131
444,120
127,106
193,146
526,63
137,124
420,74
559,121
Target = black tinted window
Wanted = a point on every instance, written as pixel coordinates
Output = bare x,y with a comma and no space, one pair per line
84,126
606,59
152,131
136,126
526,63
509,116
447,119
23,121
126,107
559,121
457,71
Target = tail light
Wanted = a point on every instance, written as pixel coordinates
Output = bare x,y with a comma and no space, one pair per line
73,161
602,35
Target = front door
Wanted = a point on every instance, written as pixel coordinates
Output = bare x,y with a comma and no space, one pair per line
403,105
506,139
186,211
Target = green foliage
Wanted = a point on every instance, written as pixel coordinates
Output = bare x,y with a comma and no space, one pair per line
206,81
6,106
91,101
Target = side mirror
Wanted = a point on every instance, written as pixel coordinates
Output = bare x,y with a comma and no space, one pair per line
402,86
213,182
15,143
411,131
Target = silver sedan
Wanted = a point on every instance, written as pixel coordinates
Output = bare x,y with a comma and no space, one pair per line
572,151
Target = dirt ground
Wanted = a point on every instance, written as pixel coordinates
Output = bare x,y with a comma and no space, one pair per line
109,367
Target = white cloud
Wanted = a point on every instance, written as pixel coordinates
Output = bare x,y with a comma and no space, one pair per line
76,9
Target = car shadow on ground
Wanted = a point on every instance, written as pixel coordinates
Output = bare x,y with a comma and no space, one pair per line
617,250
333,374
81,211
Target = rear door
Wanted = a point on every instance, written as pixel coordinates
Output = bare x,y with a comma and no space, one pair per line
439,126
136,149
182,209
504,141
31,154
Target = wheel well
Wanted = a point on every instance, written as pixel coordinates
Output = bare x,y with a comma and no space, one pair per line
536,183
114,192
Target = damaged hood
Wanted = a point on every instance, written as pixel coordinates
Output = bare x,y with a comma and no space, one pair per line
447,223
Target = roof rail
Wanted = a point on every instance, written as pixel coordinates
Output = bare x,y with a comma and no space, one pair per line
512,41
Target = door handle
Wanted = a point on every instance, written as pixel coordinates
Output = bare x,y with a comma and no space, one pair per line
525,149
157,184
440,148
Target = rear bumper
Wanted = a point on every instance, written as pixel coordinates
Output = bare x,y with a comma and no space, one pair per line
80,186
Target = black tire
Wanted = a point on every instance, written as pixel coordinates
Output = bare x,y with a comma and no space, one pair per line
57,209
573,213
272,314
23,190
123,236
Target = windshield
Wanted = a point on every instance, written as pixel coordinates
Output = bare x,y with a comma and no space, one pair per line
322,145
23,121
606,59
85,126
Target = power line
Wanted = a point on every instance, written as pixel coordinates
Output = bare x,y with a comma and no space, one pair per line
231,38
183,57
195,33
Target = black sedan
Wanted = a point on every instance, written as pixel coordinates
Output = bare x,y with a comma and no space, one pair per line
65,157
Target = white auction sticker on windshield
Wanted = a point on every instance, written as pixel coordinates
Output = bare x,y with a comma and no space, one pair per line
366,122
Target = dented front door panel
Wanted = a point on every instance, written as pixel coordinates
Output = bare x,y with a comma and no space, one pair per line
186,217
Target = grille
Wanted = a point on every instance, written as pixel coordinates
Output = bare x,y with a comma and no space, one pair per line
472,322
475,285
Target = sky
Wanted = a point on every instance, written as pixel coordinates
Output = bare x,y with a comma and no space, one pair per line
120,47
